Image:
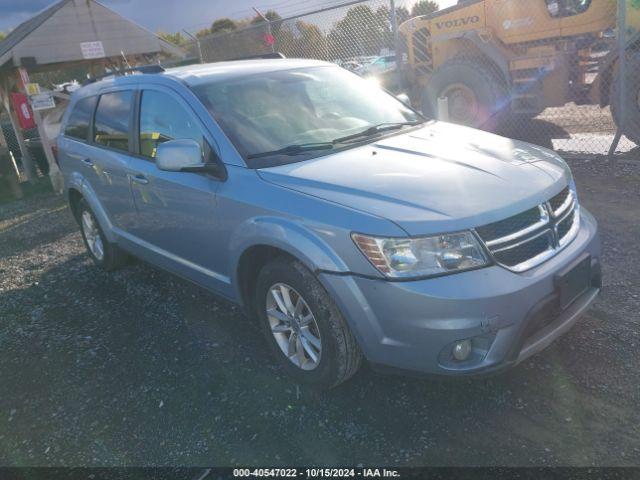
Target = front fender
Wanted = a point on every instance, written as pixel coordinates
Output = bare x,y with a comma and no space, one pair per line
300,241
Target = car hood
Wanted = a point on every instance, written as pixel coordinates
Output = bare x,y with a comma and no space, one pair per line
437,178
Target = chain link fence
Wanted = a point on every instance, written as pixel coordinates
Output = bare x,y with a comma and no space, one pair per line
545,71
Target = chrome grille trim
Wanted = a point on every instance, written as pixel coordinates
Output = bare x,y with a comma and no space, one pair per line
520,243
565,214
544,220
533,261
547,224
565,205
573,231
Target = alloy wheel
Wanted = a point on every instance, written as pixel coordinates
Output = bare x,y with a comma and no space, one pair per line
293,326
92,235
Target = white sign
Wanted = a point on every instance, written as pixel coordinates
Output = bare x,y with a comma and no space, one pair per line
517,23
92,50
42,101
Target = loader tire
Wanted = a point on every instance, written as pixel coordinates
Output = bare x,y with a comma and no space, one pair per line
477,93
631,124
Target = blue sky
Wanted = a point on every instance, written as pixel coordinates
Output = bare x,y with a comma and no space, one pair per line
174,15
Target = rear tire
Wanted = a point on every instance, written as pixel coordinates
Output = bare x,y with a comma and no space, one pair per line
329,353
631,125
104,254
477,93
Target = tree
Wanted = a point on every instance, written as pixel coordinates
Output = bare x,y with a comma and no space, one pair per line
402,14
271,15
424,7
203,33
275,21
175,38
361,32
303,40
2,36
223,25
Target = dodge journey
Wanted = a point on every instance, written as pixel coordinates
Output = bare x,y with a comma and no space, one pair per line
347,224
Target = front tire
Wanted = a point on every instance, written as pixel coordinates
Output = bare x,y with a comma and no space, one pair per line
305,330
104,254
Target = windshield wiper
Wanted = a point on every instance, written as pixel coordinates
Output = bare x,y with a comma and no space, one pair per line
295,149
375,129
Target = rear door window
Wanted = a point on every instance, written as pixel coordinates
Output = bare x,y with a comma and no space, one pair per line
112,122
80,118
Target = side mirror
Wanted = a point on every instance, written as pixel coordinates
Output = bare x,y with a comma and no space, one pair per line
186,156
404,98
178,155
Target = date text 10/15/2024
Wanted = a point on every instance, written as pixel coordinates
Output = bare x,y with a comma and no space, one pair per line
316,472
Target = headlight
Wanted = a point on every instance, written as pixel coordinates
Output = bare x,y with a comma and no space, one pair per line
424,256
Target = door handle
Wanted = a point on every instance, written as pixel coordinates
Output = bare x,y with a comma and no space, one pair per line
141,179
87,162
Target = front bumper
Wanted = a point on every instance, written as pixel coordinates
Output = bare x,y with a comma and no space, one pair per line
406,325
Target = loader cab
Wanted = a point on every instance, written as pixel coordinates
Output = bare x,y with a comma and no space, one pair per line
567,8
519,21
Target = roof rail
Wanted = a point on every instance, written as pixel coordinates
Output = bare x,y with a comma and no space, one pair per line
261,55
120,73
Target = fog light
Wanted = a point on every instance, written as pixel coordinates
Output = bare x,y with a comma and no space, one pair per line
461,350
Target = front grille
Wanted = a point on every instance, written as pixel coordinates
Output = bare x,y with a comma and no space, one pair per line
565,225
558,202
510,225
516,255
528,238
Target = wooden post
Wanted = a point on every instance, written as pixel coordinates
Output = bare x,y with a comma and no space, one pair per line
55,176
57,182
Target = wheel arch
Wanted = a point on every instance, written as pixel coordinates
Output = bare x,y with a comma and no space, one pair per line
99,212
471,45
260,240
74,196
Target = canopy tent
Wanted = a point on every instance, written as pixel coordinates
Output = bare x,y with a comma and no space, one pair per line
71,33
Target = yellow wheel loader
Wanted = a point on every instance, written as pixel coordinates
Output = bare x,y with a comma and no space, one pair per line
493,59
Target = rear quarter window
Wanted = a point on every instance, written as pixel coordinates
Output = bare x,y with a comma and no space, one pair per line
80,118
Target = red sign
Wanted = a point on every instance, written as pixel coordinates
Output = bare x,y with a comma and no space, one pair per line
23,110
269,39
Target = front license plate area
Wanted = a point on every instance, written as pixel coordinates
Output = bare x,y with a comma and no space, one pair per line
572,282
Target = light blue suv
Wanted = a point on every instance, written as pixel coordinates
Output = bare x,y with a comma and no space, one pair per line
348,225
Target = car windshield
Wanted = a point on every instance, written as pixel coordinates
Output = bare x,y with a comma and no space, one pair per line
291,115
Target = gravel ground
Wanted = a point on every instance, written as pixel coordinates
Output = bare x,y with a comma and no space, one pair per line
140,368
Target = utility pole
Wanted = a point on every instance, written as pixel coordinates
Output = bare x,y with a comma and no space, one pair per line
197,42
622,62
622,73
394,30
396,45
